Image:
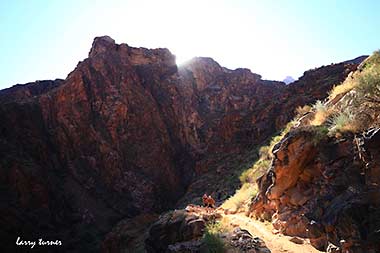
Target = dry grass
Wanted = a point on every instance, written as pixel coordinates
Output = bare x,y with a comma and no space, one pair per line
257,170
321,113
241,197
370,66
343,122
356,111
248,178
372,61
368,86
302,110
343,88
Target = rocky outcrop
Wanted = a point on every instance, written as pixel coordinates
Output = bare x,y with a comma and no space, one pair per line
266,108
20,92
183,231
174,230
322,190
242,240
127,132
129,234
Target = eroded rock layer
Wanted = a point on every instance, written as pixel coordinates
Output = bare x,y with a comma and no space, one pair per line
326,191
128,132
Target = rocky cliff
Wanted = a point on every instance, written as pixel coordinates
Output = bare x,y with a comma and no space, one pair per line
323,181
128,132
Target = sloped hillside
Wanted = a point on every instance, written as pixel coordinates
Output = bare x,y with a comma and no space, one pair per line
128,133
322,181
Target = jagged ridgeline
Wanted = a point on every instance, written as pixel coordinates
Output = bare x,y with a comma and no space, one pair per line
320,178
130,134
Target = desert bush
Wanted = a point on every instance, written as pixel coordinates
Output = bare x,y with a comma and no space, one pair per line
368,86
212,240
373,60
319,134
344,121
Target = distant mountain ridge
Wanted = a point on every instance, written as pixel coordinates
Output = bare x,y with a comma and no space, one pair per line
288,80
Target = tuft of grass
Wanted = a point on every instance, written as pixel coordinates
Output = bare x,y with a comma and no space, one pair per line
343,122
321,113
302,110
214,244
241,197
343,88
364,79
214,227
319,106
212,240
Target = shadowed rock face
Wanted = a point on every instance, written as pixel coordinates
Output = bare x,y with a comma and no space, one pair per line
128,132
21,92
324,192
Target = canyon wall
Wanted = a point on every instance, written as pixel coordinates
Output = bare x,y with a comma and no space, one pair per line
129,132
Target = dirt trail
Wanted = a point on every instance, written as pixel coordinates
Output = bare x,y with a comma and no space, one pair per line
277,243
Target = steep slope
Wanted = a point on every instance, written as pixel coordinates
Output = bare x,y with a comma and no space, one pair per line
128,132
323,182
266,112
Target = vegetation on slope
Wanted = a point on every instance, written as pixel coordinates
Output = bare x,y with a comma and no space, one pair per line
248,178
352,107
216,236
212,239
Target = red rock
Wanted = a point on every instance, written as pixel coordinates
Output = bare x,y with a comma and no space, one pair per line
323,208
128,132
296,240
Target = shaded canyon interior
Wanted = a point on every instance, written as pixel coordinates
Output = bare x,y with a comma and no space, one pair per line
129,132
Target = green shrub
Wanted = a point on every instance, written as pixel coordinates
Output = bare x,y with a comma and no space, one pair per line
343,122
264,152
368,86
319,134
211,239
373,60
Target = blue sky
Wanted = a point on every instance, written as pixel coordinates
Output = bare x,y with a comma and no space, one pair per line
46,39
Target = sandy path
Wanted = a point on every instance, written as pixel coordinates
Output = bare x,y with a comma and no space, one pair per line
277,243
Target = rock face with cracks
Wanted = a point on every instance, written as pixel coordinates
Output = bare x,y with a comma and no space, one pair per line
128,132
326,192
